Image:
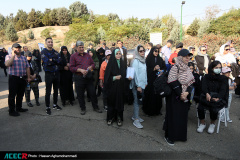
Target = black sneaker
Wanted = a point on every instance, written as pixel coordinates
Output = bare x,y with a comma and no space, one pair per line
83,111
22,110
29,104
171,143
98,110
37,103
14,114
48,111
58,108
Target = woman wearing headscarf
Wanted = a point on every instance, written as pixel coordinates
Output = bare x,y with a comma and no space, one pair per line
101,56
37,58
215,90
66,83
152,103
225,57
138,83
180,79
114,80
95,72
203,60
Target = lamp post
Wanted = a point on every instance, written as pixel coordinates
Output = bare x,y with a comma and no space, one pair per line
183,2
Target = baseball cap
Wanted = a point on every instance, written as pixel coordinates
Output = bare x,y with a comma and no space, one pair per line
226,69
108,52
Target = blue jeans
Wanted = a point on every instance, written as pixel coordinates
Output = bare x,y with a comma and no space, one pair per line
136,102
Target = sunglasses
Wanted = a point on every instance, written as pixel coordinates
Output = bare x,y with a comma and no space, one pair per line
227,49
141,51
156,51
203,50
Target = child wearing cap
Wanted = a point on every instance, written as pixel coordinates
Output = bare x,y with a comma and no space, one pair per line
226,72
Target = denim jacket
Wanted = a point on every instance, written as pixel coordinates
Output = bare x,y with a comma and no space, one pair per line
140,74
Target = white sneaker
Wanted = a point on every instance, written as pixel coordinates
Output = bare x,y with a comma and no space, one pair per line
201,128
140,119
211,128
229,120
137,124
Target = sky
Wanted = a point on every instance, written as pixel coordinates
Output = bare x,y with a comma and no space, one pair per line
128,8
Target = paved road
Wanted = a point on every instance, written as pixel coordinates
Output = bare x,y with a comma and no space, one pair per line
67,130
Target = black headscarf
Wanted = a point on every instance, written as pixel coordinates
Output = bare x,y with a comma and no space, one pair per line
101,57
151,62
64,60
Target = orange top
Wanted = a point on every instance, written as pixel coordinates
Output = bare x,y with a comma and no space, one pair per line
171,57
102,70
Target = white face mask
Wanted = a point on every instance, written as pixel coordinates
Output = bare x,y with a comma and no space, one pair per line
217,71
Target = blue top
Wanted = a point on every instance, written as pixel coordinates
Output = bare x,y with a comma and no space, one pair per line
140,74
51,60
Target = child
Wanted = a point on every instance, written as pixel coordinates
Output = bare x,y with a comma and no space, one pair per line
226,72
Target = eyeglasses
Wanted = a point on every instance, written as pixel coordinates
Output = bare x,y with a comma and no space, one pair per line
156,51
227,49
141,51
118,53
204,50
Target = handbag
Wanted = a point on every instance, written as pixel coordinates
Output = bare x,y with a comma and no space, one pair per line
215,105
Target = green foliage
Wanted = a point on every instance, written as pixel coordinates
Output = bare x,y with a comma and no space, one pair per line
2,36
24,40
20,15
203,27
30,34
11,33
101,33
227,24
47,33
171,22
21,25
2,22
33,19
53,17
112,16
63,17
78,9
193,28
175,34
46,20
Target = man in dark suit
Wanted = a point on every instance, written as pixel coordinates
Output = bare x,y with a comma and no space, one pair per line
25,49
123,51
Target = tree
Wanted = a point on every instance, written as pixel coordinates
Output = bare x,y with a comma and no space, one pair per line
211,12
53,17
175,34
91,18
63,17
46,20
78,9
2,19
156,23
112,16
11,33
170,24
101,33
24,40
33,20
21,25
30,34
203,27
193,28
2,36
20,15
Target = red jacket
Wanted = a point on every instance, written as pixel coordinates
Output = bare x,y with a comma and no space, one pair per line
171,57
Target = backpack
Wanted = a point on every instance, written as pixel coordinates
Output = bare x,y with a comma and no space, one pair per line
161,86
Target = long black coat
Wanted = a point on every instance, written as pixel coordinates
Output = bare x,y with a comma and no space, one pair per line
152,103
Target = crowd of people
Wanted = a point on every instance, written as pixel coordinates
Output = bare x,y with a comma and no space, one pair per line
209,81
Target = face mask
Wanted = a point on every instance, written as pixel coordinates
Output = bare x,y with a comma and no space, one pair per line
217,71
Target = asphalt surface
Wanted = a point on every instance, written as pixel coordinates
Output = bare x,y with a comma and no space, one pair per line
67,130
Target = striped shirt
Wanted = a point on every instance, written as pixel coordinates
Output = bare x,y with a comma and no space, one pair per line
19,66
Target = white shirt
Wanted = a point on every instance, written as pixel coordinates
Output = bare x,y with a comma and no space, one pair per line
226,58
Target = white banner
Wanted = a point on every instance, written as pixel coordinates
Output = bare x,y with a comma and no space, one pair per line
41,46
156,38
